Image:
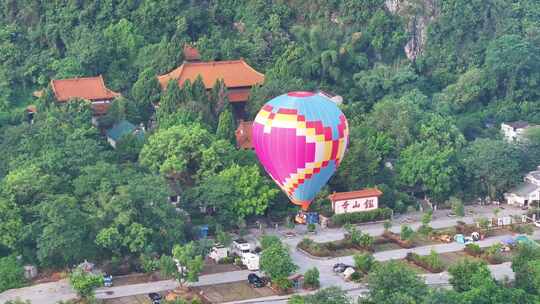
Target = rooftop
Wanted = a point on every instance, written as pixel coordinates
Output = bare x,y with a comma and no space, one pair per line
524,189
120,129
517,124
235,74
191,53
368,192
89,88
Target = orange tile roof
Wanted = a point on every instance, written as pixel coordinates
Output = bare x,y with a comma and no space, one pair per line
238,96
191,53
368,192
244,135
235,73
89,88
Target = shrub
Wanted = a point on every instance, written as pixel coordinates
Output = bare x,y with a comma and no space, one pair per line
431,262
311,227
84,283
366,241
311,278
493,254
406,233
364,262
167,266
148,263
11,273
473,249
226,260
362,217
457,206
387,225
522,229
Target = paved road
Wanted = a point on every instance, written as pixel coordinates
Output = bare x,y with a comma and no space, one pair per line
51,293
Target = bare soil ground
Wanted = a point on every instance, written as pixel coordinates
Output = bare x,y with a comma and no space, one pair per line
450,258
138,299
235,291
136,278
211,267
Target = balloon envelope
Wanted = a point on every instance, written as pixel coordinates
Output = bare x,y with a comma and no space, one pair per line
300,139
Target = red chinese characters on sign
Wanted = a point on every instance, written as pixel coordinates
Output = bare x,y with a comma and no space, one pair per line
357,205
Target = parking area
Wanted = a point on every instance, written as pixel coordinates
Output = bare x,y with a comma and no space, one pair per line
234,291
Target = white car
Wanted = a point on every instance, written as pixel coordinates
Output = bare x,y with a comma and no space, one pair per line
537,224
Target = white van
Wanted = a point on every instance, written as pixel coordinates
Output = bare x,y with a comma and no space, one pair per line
218,252
240,247
251,261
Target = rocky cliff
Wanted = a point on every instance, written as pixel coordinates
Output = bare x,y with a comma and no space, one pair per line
418,14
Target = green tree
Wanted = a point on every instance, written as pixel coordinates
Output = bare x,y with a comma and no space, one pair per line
364,262
311,278
146,92
269,240
11,223
189,263
405,284
520,265
479,160
237,191
84,282
225,129
11,273
276,262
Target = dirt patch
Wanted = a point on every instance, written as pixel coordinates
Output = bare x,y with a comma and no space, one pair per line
136,278
138,299
211,267
230,292
385,246
451,258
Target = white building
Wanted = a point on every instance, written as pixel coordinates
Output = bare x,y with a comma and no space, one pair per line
355,201
528,193
514,131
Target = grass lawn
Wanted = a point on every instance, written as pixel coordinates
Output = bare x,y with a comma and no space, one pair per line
410,266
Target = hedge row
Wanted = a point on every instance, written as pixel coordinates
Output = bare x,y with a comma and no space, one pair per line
362,217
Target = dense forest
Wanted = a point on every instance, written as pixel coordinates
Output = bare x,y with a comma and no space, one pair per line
425,83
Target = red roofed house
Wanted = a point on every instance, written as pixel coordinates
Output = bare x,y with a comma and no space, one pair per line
244,135
92,89
237,75
355,201
191,54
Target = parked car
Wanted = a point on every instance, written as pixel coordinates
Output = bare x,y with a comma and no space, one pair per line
340,267
155,297
107,280
255,281
537,224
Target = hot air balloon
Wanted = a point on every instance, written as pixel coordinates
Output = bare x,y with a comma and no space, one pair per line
300,139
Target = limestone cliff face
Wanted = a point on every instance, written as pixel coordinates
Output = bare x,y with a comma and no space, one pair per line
418,13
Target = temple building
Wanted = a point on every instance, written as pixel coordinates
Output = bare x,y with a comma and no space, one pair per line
92,89
237,75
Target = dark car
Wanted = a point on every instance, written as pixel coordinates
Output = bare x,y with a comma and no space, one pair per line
255,281
155,297
340,267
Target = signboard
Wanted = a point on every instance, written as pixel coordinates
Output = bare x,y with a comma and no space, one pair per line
356,205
